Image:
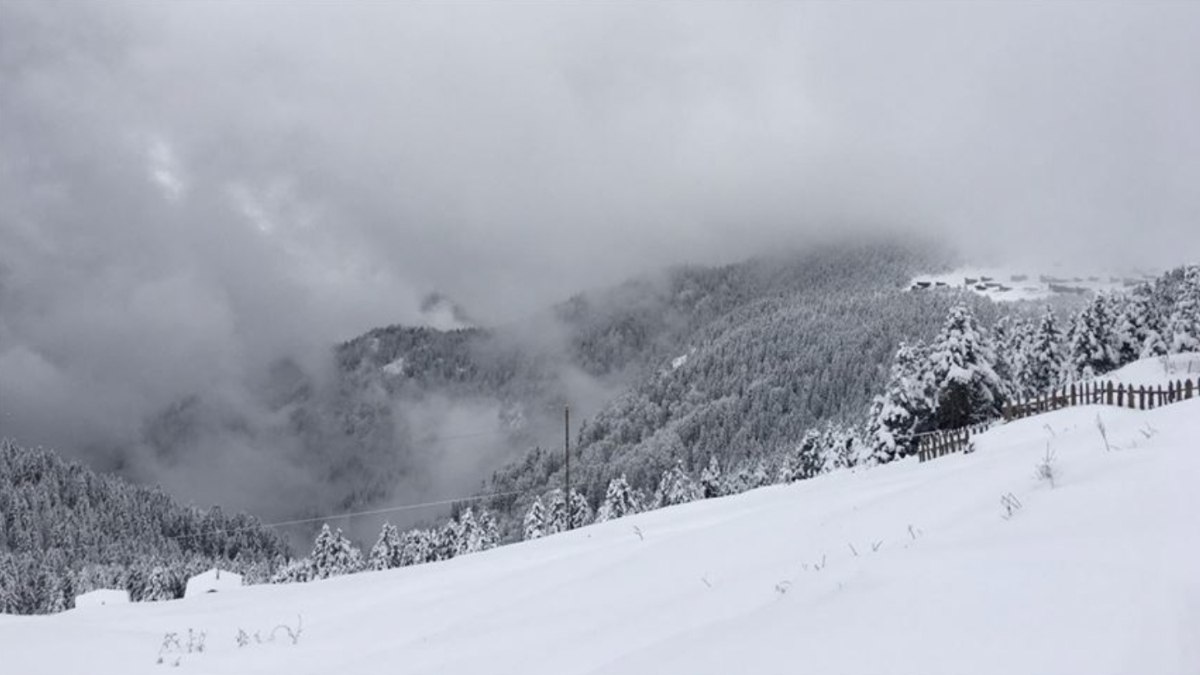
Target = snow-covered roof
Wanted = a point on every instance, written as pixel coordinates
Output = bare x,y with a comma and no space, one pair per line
212,581
101,597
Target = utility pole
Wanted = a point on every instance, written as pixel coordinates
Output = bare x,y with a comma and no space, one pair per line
567,458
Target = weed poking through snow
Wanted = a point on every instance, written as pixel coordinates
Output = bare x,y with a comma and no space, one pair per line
1010,504
1046,470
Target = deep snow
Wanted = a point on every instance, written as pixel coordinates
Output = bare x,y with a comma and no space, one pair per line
905,568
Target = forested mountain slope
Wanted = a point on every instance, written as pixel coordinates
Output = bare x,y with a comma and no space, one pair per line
65,530
802,334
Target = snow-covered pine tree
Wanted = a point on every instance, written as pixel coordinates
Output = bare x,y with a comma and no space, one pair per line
711,484
160,585
1126,330
386,552
1043,363
470,538
416,547
1184,326
619,500
489,530
446,541
556,512
1009,337
805,461
838,448
903,409
967,389
676,487
581,511
1090,351
760,476
334,555
535,520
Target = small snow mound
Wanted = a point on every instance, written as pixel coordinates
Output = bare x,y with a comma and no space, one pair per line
212,581
101,597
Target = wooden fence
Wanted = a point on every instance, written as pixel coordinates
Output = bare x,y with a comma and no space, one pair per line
939,443
1104,393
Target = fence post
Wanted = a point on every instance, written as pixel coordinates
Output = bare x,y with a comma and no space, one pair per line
1187,389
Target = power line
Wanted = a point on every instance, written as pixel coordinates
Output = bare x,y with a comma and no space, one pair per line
355,514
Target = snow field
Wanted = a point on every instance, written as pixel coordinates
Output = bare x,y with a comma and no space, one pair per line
904,568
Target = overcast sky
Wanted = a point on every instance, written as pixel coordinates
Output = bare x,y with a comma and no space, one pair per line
189,189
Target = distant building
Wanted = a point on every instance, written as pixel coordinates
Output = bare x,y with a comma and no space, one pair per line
101,597
212,581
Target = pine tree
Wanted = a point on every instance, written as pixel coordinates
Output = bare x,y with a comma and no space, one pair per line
1009,338
1044,361
967,389
446,541
1184,327
619,500
676,487
386,553
160,585
806,461
556,512
489,530
711,484
581,511
838,448
416,547
469,535
1149,321
334,555
1091,350
535,520
904,408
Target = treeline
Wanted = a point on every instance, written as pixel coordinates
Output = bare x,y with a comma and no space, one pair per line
65,530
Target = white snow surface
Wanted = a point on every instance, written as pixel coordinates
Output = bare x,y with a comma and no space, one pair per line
101,597
212,581
1156,370
904,568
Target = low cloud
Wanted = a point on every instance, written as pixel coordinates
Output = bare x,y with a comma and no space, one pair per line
191,191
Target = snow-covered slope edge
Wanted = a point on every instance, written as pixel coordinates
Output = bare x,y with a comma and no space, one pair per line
906,568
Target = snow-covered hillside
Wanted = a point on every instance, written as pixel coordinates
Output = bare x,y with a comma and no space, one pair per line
967,564
1156,371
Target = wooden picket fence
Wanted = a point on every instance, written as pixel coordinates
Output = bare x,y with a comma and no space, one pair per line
1104,393
940,443
936,444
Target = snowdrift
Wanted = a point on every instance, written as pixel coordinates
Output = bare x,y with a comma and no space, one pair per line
1154,371
967,564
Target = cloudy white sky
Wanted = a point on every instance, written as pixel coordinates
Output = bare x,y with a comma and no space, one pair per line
190,189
